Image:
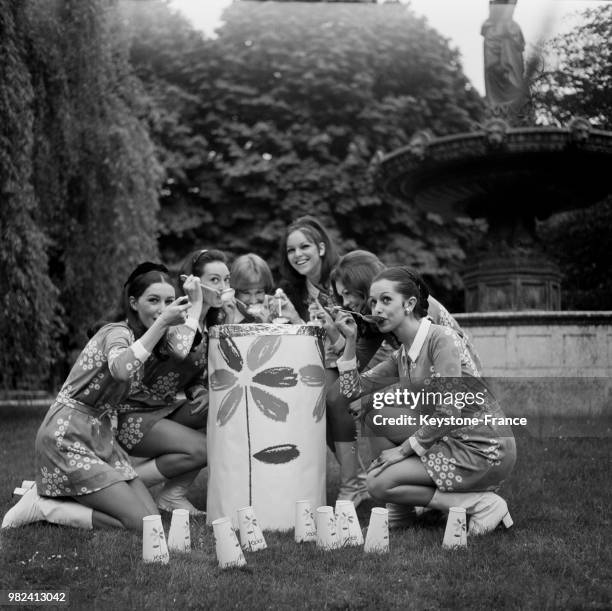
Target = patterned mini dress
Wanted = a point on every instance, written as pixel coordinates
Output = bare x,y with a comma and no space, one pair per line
76,450
180,367
458,457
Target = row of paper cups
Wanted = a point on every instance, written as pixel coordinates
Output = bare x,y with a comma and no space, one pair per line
154,545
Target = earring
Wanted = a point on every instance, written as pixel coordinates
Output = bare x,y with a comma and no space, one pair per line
407,311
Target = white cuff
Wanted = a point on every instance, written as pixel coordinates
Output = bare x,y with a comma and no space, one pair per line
416,446
192,323
140,352
344,366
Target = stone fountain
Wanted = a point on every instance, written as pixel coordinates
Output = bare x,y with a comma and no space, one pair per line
513,173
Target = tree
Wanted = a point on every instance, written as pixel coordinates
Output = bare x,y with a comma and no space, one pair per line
79,179
581,84
290,104
578,77
29,319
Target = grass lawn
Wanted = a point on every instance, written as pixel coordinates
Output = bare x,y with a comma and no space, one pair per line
558,555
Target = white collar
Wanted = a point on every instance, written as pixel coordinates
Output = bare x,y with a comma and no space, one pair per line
419,339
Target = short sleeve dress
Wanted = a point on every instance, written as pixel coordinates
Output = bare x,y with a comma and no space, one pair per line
458,457
179,366
76,450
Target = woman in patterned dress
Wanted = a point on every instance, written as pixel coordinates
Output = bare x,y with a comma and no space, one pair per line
77,455
460,459
155,422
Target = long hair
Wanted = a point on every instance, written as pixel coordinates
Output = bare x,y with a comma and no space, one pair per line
194,264
250,271
409,284
356,270
141,278
294,283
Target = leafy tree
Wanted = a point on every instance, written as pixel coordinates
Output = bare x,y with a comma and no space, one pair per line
29,318
578,80
280,116
79,179
581,84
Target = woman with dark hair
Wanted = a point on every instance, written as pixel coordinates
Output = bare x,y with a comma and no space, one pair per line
459,451
76,454
307,258
155,422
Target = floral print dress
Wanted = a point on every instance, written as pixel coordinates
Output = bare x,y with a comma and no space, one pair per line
457,457
76,451
179,366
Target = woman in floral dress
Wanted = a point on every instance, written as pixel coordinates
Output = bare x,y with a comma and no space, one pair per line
458,454
77,456
154,421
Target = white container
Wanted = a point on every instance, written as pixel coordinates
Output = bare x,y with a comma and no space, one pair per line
179,537
377,537
455,534
154,547
251,537
229,553
305,527
349,530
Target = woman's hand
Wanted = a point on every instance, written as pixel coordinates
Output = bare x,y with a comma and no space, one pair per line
176,313
386,459
192,288
287,308
318,312
199,401
346,324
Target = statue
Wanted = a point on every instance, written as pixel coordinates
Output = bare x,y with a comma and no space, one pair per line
506,89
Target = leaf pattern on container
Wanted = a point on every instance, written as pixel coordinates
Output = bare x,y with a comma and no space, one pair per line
312,375
222,379
229,404
319,409
231,354
279,377
278,455
262,350
271,406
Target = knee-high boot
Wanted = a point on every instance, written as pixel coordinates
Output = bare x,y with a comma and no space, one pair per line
352,473
34,508
485,509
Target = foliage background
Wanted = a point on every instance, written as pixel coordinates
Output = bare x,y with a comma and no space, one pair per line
127,135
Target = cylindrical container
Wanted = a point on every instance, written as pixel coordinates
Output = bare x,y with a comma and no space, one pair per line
154,547
179,537
349,530
327,533
377,537
305,528
266,421
455,534
251,537
229,553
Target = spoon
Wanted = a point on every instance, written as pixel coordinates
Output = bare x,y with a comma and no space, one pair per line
369,318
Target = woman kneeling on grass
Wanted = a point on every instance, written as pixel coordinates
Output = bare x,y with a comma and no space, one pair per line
77,455
442,463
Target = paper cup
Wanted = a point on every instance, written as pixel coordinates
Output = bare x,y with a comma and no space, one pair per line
327,533
455,534
179,537
305,528
251,537
154,548
28,483
227,295
377,537
227,547
349,530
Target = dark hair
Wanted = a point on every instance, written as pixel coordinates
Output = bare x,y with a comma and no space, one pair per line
249,270
409,284
356,270
194,263
294,282
144,275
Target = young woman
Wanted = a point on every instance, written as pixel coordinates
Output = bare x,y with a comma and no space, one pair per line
350,282
307,258
439,464
154,422
77,456
252,280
